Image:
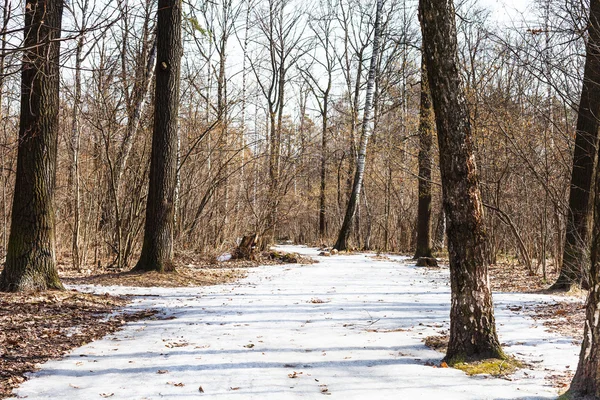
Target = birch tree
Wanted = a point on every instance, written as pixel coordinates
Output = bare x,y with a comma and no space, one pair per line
367,130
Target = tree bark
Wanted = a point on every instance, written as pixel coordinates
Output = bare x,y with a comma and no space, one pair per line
367,129
586,382
440,231
157,249
426,129
322,187
573,270
31,258
472,325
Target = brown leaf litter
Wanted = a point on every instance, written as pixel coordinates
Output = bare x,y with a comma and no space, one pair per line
192,270
40,326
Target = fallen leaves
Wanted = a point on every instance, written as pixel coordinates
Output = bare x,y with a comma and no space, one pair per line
508,277
172,345
564,318
184,277
437,343
41,326
387,330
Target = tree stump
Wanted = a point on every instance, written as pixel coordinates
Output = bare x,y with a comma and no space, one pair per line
245,250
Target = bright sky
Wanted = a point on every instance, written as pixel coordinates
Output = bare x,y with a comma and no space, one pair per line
507,10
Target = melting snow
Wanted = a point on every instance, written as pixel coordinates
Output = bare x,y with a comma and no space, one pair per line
350,327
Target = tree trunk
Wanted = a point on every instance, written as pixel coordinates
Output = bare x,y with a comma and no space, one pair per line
573,269
322,225
586,382
31,258
426,129
440,231
157,249
367,128
472,325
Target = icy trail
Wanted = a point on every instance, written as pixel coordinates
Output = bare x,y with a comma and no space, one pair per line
329,323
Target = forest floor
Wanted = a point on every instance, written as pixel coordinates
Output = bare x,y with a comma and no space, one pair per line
43,326
351,326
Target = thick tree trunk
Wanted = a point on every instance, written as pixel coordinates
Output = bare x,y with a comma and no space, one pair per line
426,129
472,325
586,382
574,265
157,249
367,129
31,259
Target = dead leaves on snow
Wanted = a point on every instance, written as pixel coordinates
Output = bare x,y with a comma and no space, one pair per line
323,389
294,375
564,318
37,327
437,342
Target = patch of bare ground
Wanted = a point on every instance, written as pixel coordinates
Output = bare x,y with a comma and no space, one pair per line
184,276
192,270
566,318
41,326
437,342
513,277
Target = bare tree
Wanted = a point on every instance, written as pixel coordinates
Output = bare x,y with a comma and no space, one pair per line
282,37
426,130
157,249
586,382
323,58
31,257
574,261
367,129
472,324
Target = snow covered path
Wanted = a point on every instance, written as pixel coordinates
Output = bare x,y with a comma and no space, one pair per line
350,327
